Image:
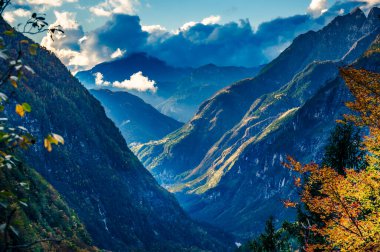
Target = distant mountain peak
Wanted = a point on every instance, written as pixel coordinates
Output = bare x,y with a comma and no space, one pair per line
374,15
357,11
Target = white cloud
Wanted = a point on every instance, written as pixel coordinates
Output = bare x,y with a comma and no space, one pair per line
118,53
10,16
153,28
99,81
373,2
66,19
53,3
206,21
211,20
317,7
73,48
110,7
157,33
73,32
137,82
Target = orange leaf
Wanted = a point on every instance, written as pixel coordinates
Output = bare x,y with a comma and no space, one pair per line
20,110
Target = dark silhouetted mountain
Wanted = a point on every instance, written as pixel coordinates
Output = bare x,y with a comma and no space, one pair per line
138,121
117,199
234,179
180,91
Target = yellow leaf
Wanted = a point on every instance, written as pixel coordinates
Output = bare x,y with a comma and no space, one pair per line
47,145
52,140
58,138
20,110
24,41
14,83
33,49
9,33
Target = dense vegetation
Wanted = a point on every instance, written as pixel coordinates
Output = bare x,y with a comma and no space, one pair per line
43,220
339,199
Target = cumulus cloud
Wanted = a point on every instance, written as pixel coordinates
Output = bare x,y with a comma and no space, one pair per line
317,7
157,33
195,44
68,40
69,46
53,3
211,20
99,80
137,82
110,7
153,28
11,16
118,53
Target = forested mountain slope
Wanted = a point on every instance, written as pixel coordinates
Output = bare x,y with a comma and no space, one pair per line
42,215
119,202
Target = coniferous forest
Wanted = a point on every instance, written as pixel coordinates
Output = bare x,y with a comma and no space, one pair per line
146,125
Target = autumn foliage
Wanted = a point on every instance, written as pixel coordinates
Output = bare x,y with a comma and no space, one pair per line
365,86
348,204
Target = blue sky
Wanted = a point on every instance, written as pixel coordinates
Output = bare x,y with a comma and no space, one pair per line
184,33
172,14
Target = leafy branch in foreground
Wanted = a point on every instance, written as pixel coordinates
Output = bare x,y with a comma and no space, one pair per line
11,137
347,204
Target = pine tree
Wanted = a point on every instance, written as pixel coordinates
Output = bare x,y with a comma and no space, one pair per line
345,149
269,238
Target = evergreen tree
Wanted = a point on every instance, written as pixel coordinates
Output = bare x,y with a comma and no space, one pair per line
345,149
269,238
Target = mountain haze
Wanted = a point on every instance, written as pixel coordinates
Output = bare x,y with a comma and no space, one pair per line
138,121
180,91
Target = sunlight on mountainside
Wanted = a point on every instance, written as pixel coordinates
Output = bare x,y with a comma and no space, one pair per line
132,125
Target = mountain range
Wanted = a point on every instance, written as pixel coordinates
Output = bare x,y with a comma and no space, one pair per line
206,184
225,164
180,91
138,121
118,201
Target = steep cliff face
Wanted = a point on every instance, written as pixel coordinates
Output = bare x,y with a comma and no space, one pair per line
174,155
234,177
256,182
138,121
120,203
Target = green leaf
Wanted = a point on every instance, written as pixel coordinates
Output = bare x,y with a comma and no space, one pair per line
26,107
9,33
